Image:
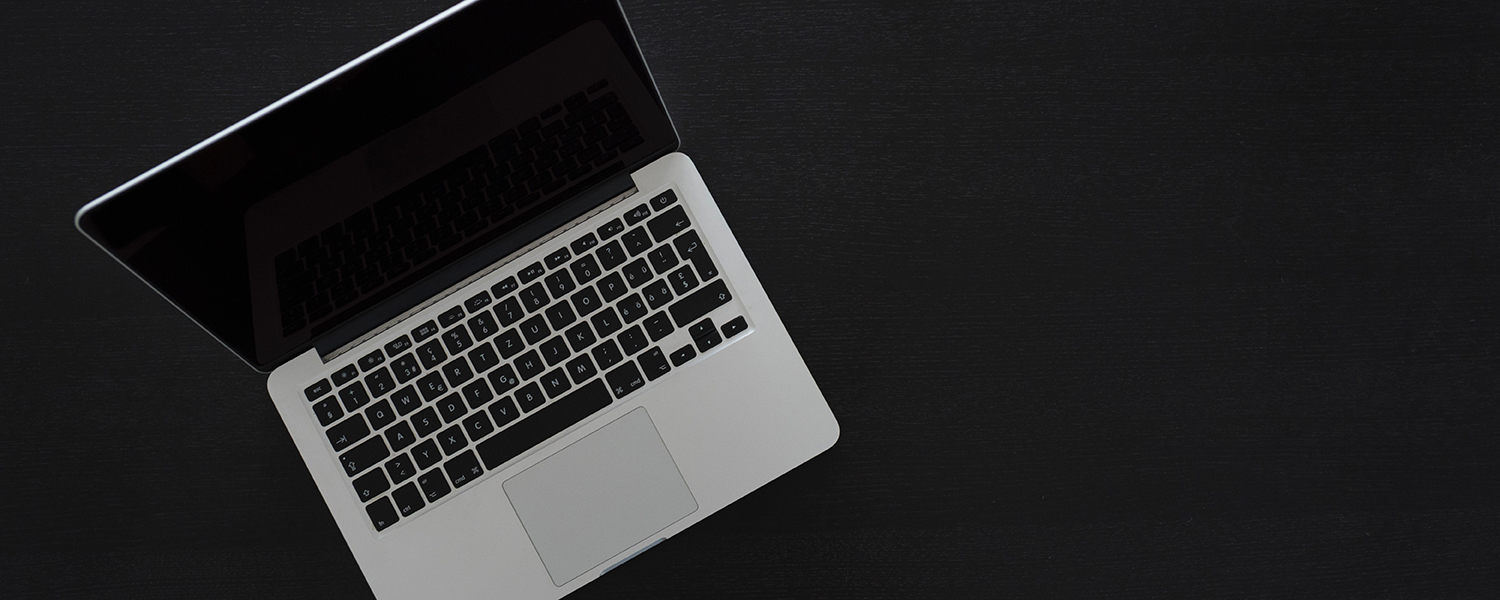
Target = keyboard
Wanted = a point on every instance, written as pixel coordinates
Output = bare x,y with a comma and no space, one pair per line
522,355
406,233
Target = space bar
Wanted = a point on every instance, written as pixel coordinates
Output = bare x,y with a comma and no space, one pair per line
547,422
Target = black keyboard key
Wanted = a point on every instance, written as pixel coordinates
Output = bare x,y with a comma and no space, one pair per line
451,316
611,255
483,358
457,340
477,393
529,364
478,425
657,294
408,499
606,323
483,325
682,280
654,364
540,427
477,303
371,360
354,397
509,311
636,241
554,350
399,436
586,301
558,258
531,272
400,468
503,411
343,435
693,306
345,375
406,367
328,410
380,383
434,485
380,415
431,386
584,244
560,315
463,469
625,379
663,200
452,440
398,345
701,328
426,421
530,397
503,380
426,454
612,287
632,308
580,337
690,248
633,340
734,327
457,371
451,407
317,390
509,343
668,223
662,258
535,329
607,354
581,369
708,340
431,354
658,326
534,297
371,485
364,456
381,513
610,229
637,214
682,355
559,283
637,273
424,331
406,400
505,286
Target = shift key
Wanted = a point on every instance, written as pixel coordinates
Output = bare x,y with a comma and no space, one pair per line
693,306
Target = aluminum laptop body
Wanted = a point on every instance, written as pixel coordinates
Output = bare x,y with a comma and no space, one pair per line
505,322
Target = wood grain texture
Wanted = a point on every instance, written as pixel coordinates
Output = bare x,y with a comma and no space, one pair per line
1111,299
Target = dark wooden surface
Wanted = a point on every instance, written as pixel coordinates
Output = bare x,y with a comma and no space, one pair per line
1111,299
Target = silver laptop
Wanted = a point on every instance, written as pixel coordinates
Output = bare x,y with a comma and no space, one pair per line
505,323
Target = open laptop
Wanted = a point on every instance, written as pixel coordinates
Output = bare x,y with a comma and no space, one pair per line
505,323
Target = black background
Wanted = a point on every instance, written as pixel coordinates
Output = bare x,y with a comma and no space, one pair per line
1110,299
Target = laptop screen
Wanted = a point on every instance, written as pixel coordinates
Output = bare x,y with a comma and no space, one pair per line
327,206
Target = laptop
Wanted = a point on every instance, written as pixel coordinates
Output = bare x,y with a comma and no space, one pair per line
504,321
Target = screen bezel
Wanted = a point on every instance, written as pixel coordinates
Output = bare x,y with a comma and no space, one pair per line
579,203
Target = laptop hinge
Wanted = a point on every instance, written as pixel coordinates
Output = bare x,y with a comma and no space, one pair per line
482,262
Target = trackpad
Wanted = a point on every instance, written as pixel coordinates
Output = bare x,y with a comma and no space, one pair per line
600,496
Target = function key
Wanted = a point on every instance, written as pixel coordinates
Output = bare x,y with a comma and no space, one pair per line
668,223
478,302
734,327
345,375
451,316
398,345
317,390
557,259
424,331
505,286
663,200
610,229
371,360
531,272
584,243
637,214
382,514
682,355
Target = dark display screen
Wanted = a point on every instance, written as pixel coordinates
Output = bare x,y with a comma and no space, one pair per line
330,204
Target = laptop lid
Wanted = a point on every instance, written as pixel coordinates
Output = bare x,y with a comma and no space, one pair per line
361,195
